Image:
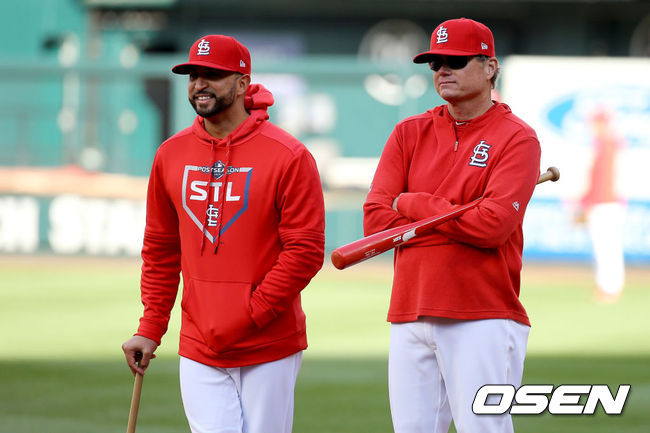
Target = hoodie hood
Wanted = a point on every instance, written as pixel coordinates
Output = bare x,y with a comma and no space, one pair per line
256,101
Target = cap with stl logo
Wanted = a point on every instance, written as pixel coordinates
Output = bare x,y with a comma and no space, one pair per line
459,37
217,52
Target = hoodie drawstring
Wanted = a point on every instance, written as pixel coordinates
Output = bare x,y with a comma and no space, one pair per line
204,232
222,198
256,101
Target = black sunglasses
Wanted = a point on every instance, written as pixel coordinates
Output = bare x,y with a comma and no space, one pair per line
454,62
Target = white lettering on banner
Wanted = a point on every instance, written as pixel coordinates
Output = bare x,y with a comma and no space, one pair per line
18,224
96,226
199,187
564,400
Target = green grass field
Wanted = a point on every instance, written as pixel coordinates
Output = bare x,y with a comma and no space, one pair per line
62,322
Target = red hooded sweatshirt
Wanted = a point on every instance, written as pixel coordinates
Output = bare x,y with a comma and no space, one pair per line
469,267
243,219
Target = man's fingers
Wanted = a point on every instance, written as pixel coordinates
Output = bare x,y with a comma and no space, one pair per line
136,360
132,361
144,362
139,351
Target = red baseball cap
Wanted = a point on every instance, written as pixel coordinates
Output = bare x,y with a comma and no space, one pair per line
217,52
459,37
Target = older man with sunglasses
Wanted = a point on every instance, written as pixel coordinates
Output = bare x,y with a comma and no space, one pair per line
456,320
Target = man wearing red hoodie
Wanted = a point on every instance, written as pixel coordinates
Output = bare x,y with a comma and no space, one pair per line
235,204
456,320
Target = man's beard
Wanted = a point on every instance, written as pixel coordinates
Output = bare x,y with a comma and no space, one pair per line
220,104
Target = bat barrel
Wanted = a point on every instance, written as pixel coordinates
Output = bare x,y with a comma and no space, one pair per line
366,248
370,246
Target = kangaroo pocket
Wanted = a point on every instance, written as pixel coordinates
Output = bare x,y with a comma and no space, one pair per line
220,310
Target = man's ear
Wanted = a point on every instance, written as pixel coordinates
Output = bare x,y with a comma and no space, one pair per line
492,66
243,82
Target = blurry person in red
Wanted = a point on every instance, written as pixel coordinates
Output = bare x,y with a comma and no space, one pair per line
235,204
603,209
456,320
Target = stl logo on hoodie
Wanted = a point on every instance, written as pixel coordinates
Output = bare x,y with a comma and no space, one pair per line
205,196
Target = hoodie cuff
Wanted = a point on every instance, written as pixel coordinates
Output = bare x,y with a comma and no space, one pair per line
261,311
150,330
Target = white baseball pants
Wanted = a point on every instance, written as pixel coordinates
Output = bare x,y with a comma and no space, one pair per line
437,365
253,399
605,222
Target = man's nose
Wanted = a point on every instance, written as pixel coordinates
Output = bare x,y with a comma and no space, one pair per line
200,83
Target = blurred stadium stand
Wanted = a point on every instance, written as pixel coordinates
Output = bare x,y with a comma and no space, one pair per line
86,84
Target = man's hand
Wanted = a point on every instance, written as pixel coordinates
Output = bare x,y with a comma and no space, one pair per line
141,344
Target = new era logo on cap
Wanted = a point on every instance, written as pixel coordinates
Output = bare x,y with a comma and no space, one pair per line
217,52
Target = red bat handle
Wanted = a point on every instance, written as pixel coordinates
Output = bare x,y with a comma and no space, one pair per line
370,246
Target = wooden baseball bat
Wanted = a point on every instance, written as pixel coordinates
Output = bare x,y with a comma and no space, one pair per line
135,398
370,246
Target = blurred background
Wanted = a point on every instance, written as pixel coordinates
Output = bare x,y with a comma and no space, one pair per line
87,96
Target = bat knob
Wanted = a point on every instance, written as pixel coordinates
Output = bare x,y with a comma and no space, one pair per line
556,174
337,259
